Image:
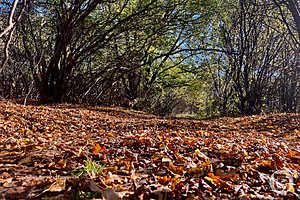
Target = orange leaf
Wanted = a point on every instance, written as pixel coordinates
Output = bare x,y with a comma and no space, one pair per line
61,163
96,149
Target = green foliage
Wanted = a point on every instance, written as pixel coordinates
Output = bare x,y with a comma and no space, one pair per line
209,55
90,168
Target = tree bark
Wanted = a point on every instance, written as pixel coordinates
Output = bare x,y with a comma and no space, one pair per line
293,6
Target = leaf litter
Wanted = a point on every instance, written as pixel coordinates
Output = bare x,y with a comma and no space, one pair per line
133,155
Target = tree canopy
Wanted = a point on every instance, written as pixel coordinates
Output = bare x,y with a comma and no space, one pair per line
208,57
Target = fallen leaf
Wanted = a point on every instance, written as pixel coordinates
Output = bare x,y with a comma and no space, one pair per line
58,186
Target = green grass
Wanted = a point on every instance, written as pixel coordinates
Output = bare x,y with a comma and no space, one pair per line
90,168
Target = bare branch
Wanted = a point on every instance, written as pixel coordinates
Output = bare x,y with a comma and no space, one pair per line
10,29
10,21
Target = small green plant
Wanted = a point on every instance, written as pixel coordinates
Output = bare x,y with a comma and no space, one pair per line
91,168
78,195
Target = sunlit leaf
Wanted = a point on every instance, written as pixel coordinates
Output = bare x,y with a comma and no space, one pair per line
58,185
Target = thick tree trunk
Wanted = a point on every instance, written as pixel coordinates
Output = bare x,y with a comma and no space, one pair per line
51,94
52,87
54,79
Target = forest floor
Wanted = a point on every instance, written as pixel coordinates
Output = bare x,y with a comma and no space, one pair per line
82,152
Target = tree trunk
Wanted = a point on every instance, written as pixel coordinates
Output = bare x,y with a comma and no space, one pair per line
293,6
52,87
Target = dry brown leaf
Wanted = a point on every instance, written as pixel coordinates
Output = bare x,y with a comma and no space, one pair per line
58,186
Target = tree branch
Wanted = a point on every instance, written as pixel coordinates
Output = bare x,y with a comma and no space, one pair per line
11,27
